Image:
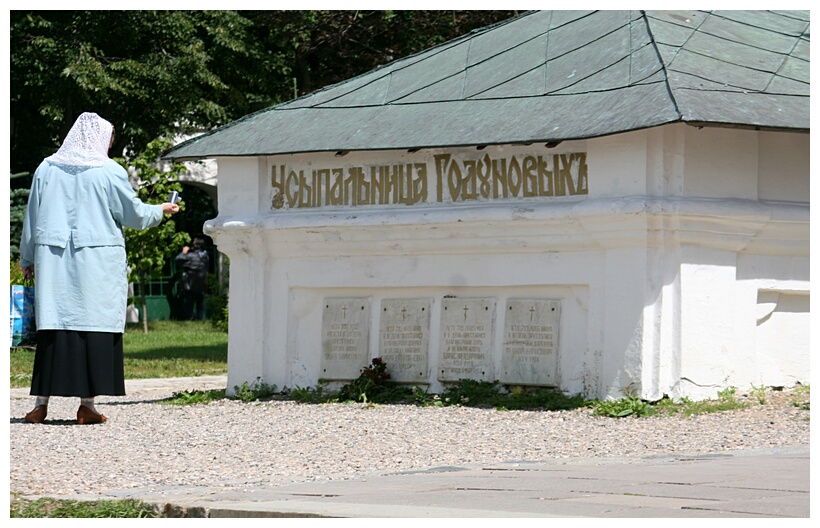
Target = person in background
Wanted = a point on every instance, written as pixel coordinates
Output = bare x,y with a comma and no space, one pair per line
72,236
194,262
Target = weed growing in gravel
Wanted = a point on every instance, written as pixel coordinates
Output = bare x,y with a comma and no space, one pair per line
258,390
194,397
472,393
309,395
726,401
803,391
374,386
546,399
629,405
623,407
759,393
54,508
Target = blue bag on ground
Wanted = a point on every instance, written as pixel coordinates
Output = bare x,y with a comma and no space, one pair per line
23,327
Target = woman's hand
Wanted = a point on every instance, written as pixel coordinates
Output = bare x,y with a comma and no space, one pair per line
28,273
169,208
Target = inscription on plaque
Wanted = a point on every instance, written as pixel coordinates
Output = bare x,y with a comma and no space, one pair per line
466,339
529,356
345,337
404,338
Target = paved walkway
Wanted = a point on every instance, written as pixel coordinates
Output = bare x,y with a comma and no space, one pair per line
745,484
748,484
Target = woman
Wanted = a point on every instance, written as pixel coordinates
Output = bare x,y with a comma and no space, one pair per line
72,235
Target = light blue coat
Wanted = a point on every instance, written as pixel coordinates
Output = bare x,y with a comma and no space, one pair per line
72,234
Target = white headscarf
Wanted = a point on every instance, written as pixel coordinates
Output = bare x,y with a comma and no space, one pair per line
86,144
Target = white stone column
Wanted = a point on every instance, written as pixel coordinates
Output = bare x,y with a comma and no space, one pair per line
245,326
237,234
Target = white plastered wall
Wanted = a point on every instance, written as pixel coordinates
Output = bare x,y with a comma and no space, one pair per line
674,277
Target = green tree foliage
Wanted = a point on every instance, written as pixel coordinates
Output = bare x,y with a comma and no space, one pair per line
17,212
151,73
155,73
147,250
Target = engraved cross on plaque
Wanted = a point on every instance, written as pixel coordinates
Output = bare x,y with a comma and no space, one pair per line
465,312
532,312
403,312
344,311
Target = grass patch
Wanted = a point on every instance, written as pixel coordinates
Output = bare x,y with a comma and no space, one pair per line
21,365
174,349
631,405
726,401
56,508
170,349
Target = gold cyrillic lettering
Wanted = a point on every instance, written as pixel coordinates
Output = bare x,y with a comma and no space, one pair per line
457,180
566,174
417,192
515,184
278,187
583,183
305,193
441,161
454,181
499,169
545,186
530,184
291,194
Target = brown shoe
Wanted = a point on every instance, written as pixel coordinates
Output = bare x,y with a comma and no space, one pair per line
38,415
87,416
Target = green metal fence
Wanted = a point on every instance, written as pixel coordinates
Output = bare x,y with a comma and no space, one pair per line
164,295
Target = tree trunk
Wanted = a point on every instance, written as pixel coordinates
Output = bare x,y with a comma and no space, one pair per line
143,282
144,316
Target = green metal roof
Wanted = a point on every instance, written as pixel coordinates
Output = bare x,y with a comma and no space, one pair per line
549,76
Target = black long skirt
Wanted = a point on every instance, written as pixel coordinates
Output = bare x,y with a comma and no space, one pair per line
84,364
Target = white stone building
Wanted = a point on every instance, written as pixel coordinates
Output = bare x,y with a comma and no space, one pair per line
594,201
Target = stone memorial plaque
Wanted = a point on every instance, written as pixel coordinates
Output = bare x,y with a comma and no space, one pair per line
530,354
466,339
345,338
404,338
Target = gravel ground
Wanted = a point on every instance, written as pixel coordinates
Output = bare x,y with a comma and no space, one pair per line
230,445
